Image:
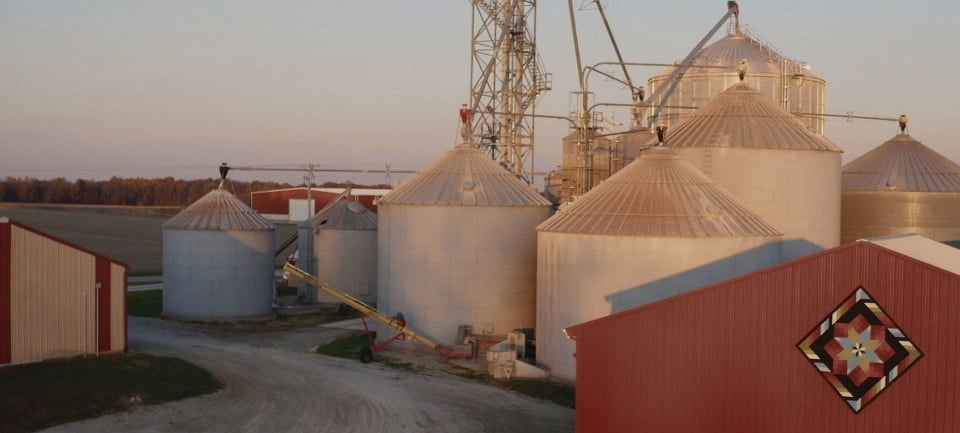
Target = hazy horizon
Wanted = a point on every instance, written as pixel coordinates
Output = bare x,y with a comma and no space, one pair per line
153,89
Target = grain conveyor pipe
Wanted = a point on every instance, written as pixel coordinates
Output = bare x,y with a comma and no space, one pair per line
395,323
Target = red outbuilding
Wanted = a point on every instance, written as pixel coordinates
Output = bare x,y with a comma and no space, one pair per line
290,204
864,337
57,299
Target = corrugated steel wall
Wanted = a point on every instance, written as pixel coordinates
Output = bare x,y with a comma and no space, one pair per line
724,359
777,185
444,266
52,297
211,274
118,298
5,307
866,214
53,303
581,278
103,283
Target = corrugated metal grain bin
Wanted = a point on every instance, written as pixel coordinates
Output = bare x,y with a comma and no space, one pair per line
457,246
763,155
218,260
57,299
344,242
788,83
610,155
655,229
902,186
861,338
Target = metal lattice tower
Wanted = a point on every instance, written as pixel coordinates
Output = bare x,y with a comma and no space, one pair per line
506,80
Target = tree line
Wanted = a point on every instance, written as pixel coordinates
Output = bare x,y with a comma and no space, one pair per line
118,191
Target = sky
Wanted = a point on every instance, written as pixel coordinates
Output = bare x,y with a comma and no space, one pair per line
99,88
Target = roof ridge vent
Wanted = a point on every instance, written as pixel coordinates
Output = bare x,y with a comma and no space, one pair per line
742,69
355,207
661,135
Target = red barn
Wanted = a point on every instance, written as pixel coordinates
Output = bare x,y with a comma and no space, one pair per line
291,204
57,299
864,337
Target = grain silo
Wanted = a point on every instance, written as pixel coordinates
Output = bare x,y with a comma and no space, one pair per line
218,260
457,246
902,186
576,164
609,153
655,229
768,159
631,143
344,242
789,83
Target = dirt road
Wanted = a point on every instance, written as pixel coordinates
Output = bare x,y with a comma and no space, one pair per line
274,385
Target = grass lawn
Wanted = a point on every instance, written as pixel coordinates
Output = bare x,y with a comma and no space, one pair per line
345,347
44,394
148,303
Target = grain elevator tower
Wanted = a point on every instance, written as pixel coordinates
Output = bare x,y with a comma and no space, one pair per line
506,79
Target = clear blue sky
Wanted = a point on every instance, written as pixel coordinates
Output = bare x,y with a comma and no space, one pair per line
97,88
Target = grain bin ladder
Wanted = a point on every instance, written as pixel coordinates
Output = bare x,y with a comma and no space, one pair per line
397,323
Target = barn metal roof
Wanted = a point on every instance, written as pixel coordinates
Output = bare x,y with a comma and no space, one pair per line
921,248
741,117
658,195
901,164
218,210
729,51
344,215
464,176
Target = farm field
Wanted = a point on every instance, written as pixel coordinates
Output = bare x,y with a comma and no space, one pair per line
132,235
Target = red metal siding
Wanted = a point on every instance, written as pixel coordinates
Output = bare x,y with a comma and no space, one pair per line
103,290
278,202
126,314
367,201
6,332
724,358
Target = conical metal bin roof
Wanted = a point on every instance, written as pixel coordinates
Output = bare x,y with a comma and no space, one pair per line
659,195
761,59
901,164
218,210
464,176
741,117
345,215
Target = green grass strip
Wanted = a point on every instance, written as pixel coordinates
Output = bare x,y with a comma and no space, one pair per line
148,303
44,394
558,393
345,347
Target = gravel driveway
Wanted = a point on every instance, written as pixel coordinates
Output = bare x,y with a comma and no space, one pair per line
274,385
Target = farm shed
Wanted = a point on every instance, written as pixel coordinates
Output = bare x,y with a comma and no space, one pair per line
57,299
290,204
859,338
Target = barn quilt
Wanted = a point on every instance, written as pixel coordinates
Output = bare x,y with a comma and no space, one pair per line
859,349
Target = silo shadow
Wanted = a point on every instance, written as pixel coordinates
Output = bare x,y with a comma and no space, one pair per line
705,275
